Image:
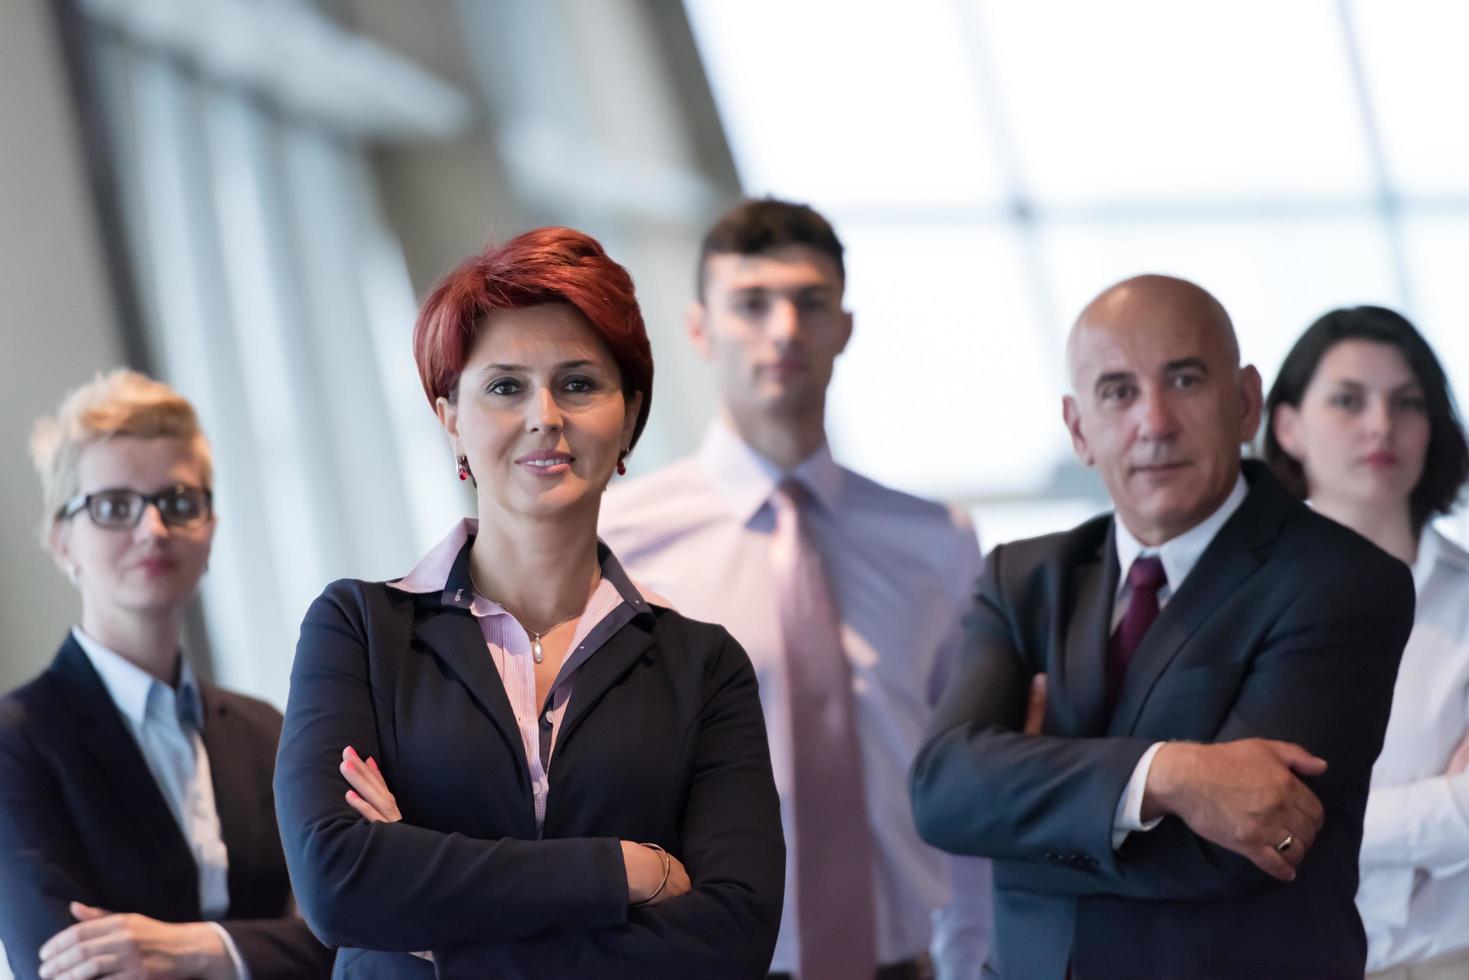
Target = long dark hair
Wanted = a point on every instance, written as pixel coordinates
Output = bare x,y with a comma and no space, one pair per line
1446,466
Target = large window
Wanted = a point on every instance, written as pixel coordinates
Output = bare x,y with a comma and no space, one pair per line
274,295
992,164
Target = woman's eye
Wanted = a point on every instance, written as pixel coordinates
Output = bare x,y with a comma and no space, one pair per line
1348,400
580,384
1414,403
503,386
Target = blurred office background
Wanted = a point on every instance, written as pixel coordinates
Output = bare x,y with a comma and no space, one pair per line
247,197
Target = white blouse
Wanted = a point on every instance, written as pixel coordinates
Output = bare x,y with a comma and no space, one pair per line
1414,892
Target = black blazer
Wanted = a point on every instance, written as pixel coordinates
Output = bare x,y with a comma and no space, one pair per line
663,741
1289,627
81,819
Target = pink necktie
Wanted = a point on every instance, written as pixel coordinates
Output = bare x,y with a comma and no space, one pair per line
1145,577
833,845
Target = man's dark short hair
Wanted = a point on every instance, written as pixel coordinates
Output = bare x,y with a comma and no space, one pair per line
1446,466
760,225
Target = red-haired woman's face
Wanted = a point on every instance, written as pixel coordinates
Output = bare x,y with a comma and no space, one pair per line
540,413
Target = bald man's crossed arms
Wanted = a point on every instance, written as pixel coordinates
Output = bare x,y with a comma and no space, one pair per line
1219,664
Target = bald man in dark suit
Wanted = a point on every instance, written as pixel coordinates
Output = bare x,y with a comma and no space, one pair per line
1218,665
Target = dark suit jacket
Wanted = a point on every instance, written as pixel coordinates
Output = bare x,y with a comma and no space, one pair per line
1289,627
663,741
82,819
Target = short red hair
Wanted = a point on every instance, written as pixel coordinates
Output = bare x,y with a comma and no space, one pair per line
547,265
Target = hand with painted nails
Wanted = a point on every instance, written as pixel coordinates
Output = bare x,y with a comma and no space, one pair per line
371,797
369,794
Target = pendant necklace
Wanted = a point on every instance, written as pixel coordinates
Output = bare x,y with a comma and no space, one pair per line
536,652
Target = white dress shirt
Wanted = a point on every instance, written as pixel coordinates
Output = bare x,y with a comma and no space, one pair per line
1414,892
902,571
1179,556
166,723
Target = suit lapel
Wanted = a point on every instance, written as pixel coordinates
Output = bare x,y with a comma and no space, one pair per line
1093,582
238,798
454,636
127,777
1235,554
602,671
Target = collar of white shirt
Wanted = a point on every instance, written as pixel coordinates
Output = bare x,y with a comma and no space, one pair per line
129,685
746,479
1180,554
1437,554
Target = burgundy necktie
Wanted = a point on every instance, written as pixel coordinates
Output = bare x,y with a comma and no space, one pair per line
833,840
1145,578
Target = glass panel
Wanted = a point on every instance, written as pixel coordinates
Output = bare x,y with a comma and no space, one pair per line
1147,99
1438,253
950,387
1437,246
847,103
1274,278
1413,58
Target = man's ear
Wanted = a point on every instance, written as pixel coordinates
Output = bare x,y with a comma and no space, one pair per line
1071,415
696,325
1252,400
846,323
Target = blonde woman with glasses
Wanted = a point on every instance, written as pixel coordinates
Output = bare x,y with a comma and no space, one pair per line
137,833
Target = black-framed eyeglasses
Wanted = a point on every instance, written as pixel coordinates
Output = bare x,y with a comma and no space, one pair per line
180,506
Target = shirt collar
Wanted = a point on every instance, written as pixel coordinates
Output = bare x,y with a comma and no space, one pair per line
1178,554
445,569
747,480
1436,555
131,687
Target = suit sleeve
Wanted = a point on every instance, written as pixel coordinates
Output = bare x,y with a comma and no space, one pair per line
980,786
395,886
42,863
732,846
279,949
1322,679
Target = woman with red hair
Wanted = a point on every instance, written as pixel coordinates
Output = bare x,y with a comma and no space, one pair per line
580,779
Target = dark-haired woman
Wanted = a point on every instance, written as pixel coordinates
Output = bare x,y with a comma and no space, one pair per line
1362,422
580,782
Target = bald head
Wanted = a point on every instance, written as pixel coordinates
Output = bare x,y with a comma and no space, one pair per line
1150,304
1159,402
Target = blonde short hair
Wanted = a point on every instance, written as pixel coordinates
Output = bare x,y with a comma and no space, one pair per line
119,403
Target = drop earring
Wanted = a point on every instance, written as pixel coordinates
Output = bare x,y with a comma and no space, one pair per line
463,462
621,466
73,574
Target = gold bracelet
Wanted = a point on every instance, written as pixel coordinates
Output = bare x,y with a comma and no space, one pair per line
667,867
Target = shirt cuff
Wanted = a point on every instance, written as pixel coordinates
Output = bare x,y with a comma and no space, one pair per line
242,972
1128,816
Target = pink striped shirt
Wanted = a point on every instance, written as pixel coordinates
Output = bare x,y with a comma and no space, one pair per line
616,600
